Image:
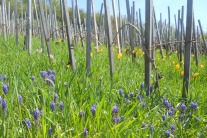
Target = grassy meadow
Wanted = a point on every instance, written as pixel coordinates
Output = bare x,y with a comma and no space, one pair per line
62,103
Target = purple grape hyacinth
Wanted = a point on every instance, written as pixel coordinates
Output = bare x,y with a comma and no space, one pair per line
0,100
85,132
117,119
5,88
36,114
194,105
61,106
43,74
50,131
4,105
115,109
93,109
20,99
167,133
52,106
28,123
182,107
55,97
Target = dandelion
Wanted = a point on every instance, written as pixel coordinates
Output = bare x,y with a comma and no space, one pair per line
177,67
201,66
85,132
119,56
28,124
195,75
61,106
20,99
5,88
52,106
4,105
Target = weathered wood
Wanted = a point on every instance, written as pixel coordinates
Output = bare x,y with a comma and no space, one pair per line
148,41
4,20
95,26
169,32
71,59
120,24
45,31
195,46
141,28
178,35
116,26
9,19
79,23
88,37
188,44
110,39
100,23
158,35
29,27
16,23
62,19
51,21
204,41
182,34
74,22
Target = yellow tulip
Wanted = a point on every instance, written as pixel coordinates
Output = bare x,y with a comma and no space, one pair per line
119,56
181,73
177,67
195,75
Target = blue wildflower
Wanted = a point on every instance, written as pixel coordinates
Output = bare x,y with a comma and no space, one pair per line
50,132
20,99
167,133
150,89
131,95
143,125
82,114
152,128
5,88
85,132
5,78
32,78
0,77
0,100
197,119
171,112
49,71
120,92
182,107
117,119
142,86
115,109
172,127
4,105
55,97
139,98
52,106
28,124
53,72
163,117
166,103
43,74
93,109
36,114
61,106
194,105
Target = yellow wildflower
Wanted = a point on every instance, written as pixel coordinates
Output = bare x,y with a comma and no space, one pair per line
173,62
142,53
125,50
68,66
193,55
91,55
201,66
177,67
195,75
176,52
182,62
162,49
119,56
181,73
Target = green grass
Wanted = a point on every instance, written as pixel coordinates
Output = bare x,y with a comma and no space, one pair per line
79,93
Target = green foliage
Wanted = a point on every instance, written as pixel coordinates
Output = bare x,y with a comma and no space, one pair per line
79,93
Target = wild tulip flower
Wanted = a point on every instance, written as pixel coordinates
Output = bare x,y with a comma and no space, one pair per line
181,73
177,67
201,66
119,56
195,75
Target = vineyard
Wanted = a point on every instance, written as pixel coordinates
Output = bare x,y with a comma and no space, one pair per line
106,76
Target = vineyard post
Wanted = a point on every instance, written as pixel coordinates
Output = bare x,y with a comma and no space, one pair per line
181,35
188,44
62,18
95,25
79,23
88,37
110,39
3,19
158,35
141,28
9,19
120,24
116,26
29,27
16,23
204,41
195,44
71,59
169,33
148,41
45,31
178,34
